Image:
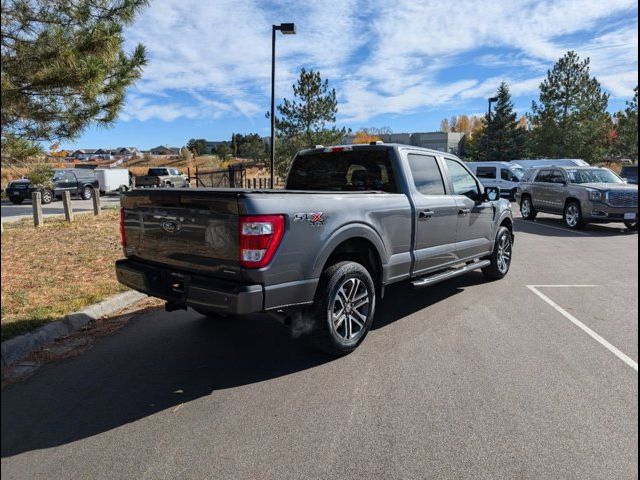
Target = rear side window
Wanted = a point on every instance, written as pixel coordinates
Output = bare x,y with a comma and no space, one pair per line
544,176
426,174
343,171
486,172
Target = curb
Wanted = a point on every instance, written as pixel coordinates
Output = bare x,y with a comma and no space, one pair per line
15,349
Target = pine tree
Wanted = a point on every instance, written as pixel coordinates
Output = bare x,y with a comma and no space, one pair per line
500,139
302,122
626,144
63,65
570,119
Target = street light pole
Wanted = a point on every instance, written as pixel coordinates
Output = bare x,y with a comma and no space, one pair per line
491,100
286,29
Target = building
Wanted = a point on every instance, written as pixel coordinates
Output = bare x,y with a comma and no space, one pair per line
452,142
91,154
164,150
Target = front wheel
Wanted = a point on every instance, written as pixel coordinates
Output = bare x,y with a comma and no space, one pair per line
46,196
527,210
501,256
573,216
344,308
632,226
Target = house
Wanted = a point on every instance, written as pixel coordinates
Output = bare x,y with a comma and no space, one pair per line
164,150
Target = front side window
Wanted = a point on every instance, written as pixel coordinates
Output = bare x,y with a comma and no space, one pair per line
509,175
426,174
463,182
486,172
557,177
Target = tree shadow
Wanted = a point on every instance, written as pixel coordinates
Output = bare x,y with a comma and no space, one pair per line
160,360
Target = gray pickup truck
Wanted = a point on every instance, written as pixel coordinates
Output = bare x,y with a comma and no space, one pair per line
162,177
318,254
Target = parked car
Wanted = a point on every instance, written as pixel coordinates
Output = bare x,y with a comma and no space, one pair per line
158,177
630,174
551,162
580,194
113,179
502,175
76,181
319,254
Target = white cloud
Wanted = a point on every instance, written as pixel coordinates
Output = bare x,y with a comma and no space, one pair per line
382,57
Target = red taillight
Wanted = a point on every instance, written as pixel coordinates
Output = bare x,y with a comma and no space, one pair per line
123,233
260,236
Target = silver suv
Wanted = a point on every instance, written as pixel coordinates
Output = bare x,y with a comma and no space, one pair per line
580,194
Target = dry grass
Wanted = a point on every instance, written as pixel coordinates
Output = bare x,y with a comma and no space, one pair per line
56,269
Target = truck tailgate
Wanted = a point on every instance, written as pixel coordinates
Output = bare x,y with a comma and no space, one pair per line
191,230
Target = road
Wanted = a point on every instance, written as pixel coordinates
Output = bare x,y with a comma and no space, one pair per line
466,379
12,213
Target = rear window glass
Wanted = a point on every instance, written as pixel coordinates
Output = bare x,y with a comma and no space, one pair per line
347,170
157,171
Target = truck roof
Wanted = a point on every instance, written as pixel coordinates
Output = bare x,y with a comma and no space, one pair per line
372,146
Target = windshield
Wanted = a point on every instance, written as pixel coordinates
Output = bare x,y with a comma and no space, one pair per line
593,175
518,172
343,171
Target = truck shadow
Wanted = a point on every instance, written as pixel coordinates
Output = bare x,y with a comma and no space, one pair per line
161,360
551,227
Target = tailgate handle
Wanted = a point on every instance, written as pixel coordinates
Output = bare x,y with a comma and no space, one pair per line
464,212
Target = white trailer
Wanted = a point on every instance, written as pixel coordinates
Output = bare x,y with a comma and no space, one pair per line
113,179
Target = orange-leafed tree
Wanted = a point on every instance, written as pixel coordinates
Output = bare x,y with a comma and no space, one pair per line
365,137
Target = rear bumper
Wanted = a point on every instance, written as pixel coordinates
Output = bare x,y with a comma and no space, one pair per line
22,193
188,289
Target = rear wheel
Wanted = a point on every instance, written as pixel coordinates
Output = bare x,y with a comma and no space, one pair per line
501,256
526,209
633,226
87,193
344,308
573,216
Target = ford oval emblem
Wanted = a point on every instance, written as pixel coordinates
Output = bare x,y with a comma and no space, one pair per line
170,226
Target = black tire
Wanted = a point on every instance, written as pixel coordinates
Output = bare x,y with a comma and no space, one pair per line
87,193
335,336
501,256
631,226
46,196
16,201
527,209
573,215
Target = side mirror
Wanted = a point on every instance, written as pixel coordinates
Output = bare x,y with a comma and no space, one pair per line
492,193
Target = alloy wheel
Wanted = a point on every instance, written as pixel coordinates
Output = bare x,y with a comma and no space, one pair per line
504,253
350,309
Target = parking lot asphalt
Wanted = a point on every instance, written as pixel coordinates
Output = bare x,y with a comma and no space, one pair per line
465,379
12,213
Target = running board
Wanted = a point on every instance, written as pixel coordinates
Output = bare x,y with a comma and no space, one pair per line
446,275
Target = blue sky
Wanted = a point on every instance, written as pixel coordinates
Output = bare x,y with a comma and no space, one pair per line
405,64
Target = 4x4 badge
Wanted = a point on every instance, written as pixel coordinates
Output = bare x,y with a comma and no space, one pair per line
314,218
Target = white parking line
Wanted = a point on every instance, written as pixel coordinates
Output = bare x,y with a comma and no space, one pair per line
566,230
626,359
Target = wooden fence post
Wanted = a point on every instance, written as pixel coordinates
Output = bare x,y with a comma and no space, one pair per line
66,203
36,205
254,183
96,201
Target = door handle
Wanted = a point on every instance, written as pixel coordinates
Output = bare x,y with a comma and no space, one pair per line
426,214
464,212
